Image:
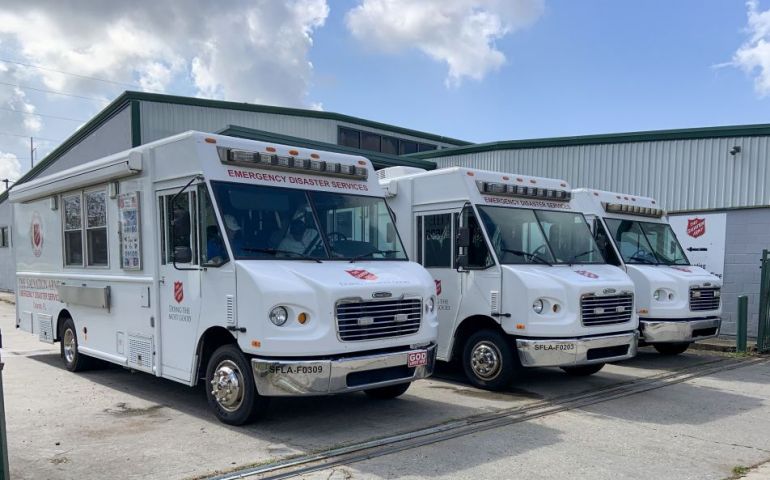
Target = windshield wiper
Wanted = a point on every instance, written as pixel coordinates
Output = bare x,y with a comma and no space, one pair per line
276,251
642,260
578,255
368,254
532,256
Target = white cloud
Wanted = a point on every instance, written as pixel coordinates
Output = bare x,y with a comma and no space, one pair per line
246,50
461,33
753,56
10,168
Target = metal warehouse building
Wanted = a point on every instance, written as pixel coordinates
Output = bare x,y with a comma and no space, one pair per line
720,176
136,118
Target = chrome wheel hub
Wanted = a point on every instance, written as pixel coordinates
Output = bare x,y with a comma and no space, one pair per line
227,386
486,360
70,345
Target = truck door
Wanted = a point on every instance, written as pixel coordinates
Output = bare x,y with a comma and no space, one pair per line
480,278
179,281
435,247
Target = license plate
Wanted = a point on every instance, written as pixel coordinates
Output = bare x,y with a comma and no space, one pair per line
417,359
555,347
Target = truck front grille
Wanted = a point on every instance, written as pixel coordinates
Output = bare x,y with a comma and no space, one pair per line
364,320
606,310
704,298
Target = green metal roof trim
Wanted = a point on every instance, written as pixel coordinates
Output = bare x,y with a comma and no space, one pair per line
629,137
380,160
297,112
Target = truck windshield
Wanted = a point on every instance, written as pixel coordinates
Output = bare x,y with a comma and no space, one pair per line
646,242
272,222
539,236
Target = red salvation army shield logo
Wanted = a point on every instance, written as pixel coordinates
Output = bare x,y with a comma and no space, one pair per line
361,274
178,292
586,274
36,234
438,287
696,227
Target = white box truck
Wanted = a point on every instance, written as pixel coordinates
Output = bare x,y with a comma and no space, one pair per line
263,269
519,279
678,303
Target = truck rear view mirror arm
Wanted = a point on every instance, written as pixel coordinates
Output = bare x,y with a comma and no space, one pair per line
181,253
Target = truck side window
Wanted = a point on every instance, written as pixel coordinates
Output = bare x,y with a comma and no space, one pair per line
213,251
73,230
183,235
478,251
437,238
605,244
96,228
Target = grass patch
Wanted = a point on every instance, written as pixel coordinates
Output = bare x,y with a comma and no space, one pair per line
739,471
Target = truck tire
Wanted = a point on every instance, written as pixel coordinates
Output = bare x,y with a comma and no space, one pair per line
489,360
583,370
389,392
230,387
74,361
671,348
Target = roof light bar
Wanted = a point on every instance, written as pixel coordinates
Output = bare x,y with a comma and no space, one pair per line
508,190
274,161
633,210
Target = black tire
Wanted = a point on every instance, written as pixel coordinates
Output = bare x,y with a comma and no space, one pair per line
583,370
233,369
499,360
73,360
389,392
671,348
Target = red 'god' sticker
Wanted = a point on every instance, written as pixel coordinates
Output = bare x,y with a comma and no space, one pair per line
361,274
586,274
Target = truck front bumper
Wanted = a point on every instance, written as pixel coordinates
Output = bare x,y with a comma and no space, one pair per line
567,352
288,377
678,330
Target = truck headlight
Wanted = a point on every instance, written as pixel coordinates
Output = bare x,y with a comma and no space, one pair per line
279,315
658,294
538,306
430,305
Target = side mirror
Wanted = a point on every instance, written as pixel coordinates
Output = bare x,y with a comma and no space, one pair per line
463,237
182,254
390,233
181,225
461,261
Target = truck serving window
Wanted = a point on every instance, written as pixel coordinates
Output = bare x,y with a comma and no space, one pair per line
646,242
96,228
539,236
272,222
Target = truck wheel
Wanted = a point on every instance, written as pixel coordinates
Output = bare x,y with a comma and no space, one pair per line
389,392
583,370
230,387
489,360
74,361
671,348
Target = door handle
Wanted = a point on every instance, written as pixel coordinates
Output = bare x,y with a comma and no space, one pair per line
162,280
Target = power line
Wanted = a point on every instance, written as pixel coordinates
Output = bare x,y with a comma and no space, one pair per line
42,115
132,85
25,87
9,134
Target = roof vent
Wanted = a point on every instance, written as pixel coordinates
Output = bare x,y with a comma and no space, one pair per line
400,171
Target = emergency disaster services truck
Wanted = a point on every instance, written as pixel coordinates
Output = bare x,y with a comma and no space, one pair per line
678,303
263,270
519,279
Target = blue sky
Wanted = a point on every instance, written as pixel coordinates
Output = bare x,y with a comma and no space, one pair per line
542,67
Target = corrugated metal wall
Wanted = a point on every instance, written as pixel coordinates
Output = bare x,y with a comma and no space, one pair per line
161,120
681,174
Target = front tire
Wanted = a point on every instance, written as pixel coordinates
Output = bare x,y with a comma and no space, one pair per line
671,348
230,387
74,361
489,360
583,370
389,392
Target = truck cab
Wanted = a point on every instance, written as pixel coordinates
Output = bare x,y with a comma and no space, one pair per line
260,269
678,303
519,279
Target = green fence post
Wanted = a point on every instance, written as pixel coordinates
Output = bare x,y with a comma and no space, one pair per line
764,297
743,323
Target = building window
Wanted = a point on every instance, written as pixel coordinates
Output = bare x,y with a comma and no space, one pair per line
5,238
374,142
85,239
349,137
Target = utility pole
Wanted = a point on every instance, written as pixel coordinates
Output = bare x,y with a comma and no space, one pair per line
31,153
